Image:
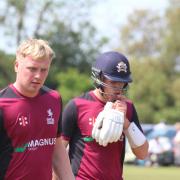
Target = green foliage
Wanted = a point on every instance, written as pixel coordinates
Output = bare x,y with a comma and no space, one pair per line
142,35
6,69
149,90
69,31
73,49
155,96
174,89
171,44
72,83
155,62
68,46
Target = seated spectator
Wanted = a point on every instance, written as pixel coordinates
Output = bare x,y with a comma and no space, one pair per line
160,151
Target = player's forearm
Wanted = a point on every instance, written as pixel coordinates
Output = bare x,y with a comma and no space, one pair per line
142,151
62,173
54,176
61,163
137,140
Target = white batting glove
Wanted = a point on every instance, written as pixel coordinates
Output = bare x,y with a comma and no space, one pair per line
97,126
108,126
112,127
99,122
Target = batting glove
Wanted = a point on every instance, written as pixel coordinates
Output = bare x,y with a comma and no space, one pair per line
108,126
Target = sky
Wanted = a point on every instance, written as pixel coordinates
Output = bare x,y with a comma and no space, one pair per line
107,17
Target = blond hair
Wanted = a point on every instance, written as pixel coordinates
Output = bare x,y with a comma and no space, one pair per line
35,48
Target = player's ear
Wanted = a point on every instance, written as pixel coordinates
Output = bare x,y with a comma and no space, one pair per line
16,64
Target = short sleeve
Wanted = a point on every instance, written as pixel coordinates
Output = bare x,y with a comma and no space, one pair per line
69,120
60,120
132,115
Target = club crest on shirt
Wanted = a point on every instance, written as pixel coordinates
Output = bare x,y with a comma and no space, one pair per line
50,119
23,120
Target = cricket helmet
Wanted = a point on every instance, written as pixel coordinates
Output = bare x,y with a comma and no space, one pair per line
113,66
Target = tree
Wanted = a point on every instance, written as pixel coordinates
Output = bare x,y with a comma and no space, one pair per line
72,83
73,49
171,46
6,69
37,18
154,55
69,32
149,90
142,35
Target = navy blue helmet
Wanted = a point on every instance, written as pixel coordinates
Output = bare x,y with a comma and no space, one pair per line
113,66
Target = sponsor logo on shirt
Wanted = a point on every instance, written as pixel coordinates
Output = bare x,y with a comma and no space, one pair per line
36,143
50,119
21,148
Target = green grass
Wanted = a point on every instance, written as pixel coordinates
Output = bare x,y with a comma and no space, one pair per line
151,173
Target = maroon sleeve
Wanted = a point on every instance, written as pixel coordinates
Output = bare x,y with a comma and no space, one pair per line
60,120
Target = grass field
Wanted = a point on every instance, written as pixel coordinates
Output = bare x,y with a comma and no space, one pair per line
151,173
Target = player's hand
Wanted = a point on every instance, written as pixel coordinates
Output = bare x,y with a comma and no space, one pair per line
97,126
109,124
99,122
112,127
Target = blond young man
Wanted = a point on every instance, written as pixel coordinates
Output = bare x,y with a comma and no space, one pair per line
30,115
